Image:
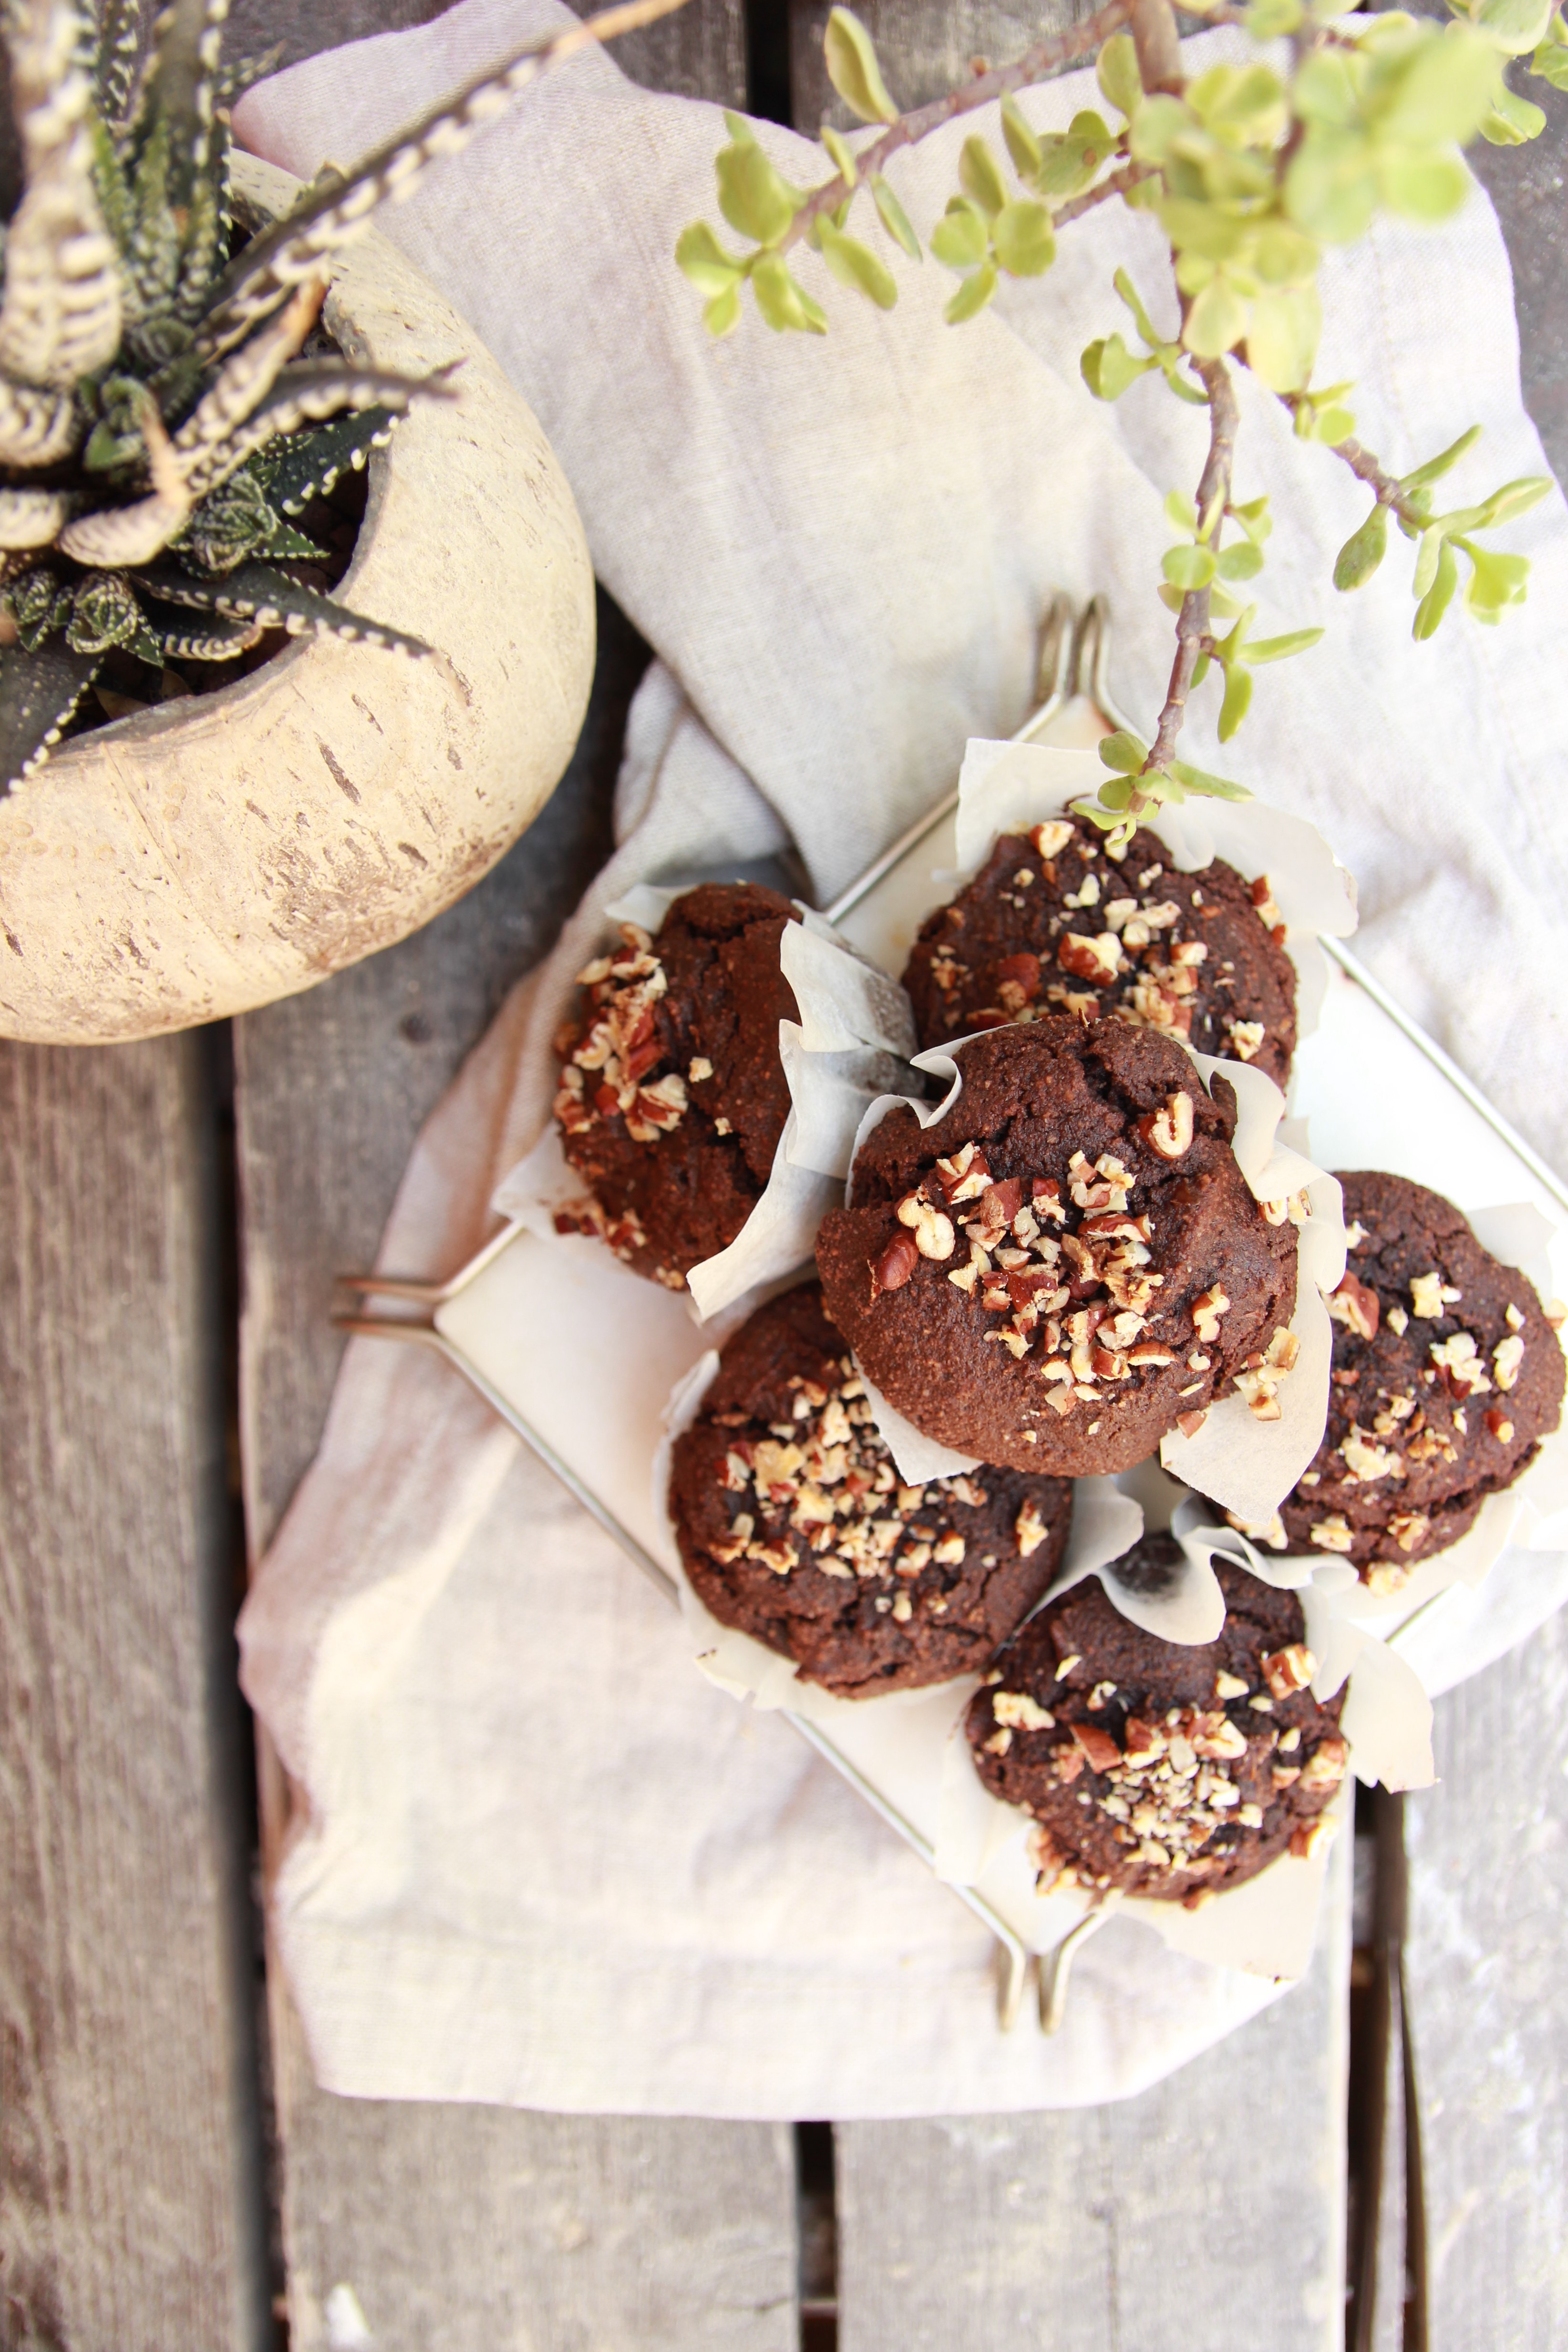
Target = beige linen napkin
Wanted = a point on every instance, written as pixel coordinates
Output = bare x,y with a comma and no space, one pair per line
542,1862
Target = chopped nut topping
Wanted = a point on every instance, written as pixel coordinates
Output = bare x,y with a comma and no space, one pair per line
1332,1534
1398,1321
1245,1037
1169,1131
1018,1710
1500,1426
1228,1686
1096,961
1312,1838
1365,1462
1029,1530
1429,1294
1289,1669
1355,1305
1407,1528
1208,1308
622,1047
1049,840
1355,1233
702,1067
1507,1358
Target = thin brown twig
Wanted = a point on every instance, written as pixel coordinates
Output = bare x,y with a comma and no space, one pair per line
1115,184
1034,65
1192,621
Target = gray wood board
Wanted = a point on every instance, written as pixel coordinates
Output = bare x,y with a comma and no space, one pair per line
474,2228
131,2204
1208,2211
1489,2002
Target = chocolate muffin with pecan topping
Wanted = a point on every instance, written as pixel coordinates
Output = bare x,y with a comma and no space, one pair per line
1053,922
1070,1263
672,1096
1157,1767
1447,1375
794,1526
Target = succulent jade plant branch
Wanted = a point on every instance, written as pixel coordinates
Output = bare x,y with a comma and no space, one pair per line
1251,171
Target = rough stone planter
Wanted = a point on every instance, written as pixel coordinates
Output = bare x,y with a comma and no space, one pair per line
215,853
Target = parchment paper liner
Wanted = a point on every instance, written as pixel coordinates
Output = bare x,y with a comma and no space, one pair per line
980,1841
853,1041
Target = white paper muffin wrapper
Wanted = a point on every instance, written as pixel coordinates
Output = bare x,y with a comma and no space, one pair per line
851,1042
1265,1927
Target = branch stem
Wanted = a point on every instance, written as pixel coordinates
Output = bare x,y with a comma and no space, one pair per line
1034,65
1192,621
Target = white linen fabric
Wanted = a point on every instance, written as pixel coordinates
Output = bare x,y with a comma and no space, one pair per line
538,1861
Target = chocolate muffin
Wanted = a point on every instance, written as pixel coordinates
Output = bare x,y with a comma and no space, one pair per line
1445,1377
1055,922
1152,1767
1069,1264
794,1526
672,1096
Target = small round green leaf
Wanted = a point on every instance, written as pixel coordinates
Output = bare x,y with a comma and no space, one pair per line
1422,185
972,296
1282,336
1208,787
1022,235
1443,91
1216,322
1362,553
783,303
1272,649
1117,73
852,68
752,196
1188,567
1122,751
1331,185
842,154
722,315
961,238
701,256
980,177
1438,596
1495,583
1237,697
1514,25
1241,560
1022,144
856,265
1108,367
893,218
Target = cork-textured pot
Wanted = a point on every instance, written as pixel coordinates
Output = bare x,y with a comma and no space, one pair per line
220,851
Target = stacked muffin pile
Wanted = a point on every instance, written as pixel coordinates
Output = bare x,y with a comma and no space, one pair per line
1048,1279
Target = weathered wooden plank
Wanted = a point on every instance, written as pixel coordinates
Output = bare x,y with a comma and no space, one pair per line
1488,2001
699,53
1525,183
130,2201
1208,2211
471,2228
926,46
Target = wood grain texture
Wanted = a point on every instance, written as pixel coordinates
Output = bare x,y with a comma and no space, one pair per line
1526,186
129,2186
1489,2002
471,2228
701,52
1207,2213
926,46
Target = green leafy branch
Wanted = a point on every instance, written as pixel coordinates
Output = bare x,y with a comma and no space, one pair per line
1253,175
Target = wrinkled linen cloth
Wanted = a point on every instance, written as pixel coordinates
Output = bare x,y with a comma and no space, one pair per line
538,1860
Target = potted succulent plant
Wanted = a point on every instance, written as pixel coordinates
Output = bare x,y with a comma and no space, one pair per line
193,374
